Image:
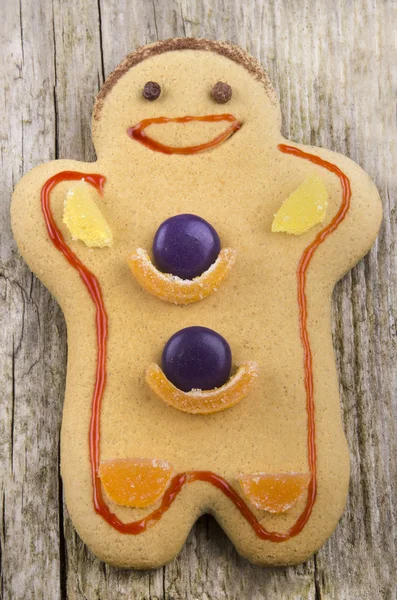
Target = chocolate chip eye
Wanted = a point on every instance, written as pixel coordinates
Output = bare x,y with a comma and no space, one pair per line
151,91
221,92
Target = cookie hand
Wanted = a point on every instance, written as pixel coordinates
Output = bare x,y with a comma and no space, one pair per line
29,226
356,232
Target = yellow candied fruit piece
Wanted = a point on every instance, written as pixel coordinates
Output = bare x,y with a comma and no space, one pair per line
173,289
83,218
274,492
135,482
304,208
203,402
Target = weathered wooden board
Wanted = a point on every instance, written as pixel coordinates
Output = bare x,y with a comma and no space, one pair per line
335,69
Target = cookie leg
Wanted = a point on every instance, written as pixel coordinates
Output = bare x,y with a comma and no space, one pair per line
139,537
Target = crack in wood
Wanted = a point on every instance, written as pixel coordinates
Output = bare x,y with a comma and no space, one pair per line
2,540
155,19
17,349
31,286
22,168
55,99
183,21
21,31
317,583
164,590
101,41
62,539
12,428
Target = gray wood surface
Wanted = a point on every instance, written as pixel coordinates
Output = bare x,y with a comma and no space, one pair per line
333,63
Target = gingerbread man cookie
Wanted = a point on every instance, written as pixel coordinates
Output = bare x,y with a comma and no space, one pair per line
194,262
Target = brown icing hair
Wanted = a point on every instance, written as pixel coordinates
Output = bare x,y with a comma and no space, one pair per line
234,53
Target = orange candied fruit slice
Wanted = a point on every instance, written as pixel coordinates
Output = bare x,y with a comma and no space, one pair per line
274,492
203,402
135,482
173,289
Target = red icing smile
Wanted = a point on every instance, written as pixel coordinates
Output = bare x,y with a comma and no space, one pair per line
137,132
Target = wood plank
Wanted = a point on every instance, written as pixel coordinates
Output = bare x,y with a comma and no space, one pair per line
333,67
112,30
358,120
32,333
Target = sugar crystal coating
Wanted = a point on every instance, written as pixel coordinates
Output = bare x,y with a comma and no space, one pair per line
201,402
274,492
135,482
83,217
170,288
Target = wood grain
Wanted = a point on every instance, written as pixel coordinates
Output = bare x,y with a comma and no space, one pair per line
334,67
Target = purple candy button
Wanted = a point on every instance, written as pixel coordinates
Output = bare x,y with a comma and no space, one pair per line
185,246
197,358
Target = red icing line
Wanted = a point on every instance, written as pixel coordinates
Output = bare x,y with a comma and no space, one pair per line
138,133
94,290
177,483
308,360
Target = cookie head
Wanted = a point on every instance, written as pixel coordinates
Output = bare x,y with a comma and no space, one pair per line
185,97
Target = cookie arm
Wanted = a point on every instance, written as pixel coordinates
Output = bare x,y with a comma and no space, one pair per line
356,233
28,224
